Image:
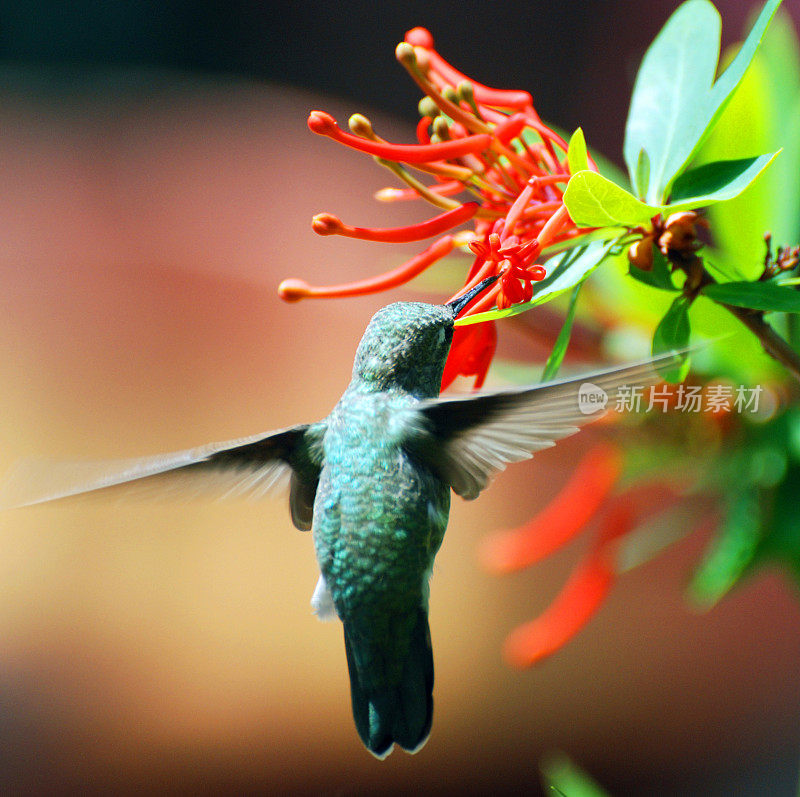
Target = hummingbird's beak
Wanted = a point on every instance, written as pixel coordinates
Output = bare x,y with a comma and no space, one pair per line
457,305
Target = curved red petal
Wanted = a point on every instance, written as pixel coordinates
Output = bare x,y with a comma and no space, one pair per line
328,224
292,290
562,519
324,124
504,98
471,353
422,130
510,127
575,605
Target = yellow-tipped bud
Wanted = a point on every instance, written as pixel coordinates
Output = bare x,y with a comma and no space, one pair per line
451,95
427,107
405,54
360,126
466,92
441,129
293,290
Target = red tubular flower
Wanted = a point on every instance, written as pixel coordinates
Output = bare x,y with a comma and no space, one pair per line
476,140
471,353
292,290
587,494
328,224
562,519
503,98
571,611
325,125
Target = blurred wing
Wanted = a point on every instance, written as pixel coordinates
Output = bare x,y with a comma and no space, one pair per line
467,439
246,466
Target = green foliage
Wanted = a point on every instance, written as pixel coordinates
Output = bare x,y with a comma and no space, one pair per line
563,776
672,334
562,341
780,538
675,100
675,107
577,156
691,143
757,472
763,115
731,552
659,276
594,201
755,296
716,182
759,478
694,143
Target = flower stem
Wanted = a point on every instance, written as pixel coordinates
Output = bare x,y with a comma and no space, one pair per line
772,343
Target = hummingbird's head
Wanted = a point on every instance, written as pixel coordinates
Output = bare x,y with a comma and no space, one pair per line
406,345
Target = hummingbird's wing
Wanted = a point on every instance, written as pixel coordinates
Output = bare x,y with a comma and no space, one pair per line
245,466
466,439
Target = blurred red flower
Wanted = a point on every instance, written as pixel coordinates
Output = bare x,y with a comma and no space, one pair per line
590,493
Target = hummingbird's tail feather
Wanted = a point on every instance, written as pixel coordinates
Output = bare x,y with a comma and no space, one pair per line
399,712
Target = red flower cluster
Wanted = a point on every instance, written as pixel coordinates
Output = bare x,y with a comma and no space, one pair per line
589,494
489,144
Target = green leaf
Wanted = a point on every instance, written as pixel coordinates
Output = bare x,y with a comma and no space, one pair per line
780,534
729,80
781,59
562,341
577,157
565,271
675,101
641,178
732,552
672,334
659,275
606,167
755,295
563,776
763,115
716,182
678,68
594,201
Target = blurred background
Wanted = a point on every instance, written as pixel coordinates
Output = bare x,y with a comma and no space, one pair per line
157,182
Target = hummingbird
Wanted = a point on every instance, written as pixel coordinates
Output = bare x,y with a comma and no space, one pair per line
373,480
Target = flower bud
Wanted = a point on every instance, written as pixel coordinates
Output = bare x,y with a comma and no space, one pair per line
427,107
640,253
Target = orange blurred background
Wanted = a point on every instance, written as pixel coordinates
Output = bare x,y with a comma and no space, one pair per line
146,220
